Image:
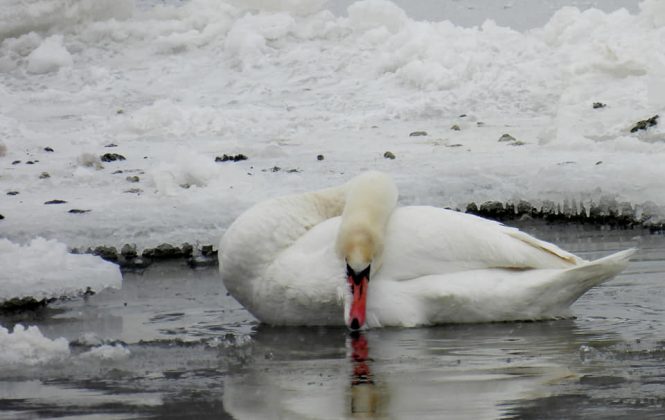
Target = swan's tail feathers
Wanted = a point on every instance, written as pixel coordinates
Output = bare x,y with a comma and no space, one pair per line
572,283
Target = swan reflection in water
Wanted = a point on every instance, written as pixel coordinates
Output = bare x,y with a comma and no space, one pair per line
466,371
365,395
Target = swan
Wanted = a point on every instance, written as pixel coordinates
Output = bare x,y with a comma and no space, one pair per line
348,255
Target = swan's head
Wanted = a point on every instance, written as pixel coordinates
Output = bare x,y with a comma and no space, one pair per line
359,252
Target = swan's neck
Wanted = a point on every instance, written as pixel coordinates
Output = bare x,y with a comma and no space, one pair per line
370,200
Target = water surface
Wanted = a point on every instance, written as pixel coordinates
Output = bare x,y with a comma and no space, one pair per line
195,352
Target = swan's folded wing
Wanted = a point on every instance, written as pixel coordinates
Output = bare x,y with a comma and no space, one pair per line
423,240
542,246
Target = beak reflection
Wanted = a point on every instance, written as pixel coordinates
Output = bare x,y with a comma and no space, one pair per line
365,397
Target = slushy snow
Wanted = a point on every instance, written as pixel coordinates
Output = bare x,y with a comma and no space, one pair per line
170,86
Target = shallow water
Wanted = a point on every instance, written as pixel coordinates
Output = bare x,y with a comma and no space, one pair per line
196,352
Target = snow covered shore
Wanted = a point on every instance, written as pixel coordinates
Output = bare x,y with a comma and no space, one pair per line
312,98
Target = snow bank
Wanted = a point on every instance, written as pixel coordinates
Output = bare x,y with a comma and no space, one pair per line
44,269
173,85
28,347
19,17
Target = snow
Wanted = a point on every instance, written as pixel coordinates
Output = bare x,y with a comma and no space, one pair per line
172,85
107,352
44,269
49,56
28,347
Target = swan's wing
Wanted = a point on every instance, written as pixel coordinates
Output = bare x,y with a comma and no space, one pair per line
427,240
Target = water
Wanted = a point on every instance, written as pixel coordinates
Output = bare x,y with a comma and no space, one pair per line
196,353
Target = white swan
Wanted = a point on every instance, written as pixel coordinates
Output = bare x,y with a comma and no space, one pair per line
284,260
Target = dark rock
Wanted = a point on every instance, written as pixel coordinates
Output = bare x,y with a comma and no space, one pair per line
187,249
207,250
78,211
111,145
462,116
492,209
120,111
112,157
16,162
231,158
480,124
644,124
2,217
44,175
30,162
293,171
134,191
133,178
25,304
599,162
507,137
598,105
48,149
12,193
320,157
55,202
119,171
418,133
275,169
524,207
109,253
128,251
472,208
455,127
204,257
389,155
162,252
517,143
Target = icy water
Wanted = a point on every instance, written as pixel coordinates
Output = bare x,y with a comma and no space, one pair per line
196,353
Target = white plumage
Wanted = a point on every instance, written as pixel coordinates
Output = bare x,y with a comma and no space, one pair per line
283,260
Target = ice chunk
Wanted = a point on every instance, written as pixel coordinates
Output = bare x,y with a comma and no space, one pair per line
44,269
107,352
27,346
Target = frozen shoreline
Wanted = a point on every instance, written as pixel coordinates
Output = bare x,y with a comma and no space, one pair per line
172,87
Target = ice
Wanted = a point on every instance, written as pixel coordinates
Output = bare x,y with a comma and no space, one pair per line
173,85
107,352
44,269
28,347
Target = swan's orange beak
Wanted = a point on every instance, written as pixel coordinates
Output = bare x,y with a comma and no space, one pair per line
358,284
